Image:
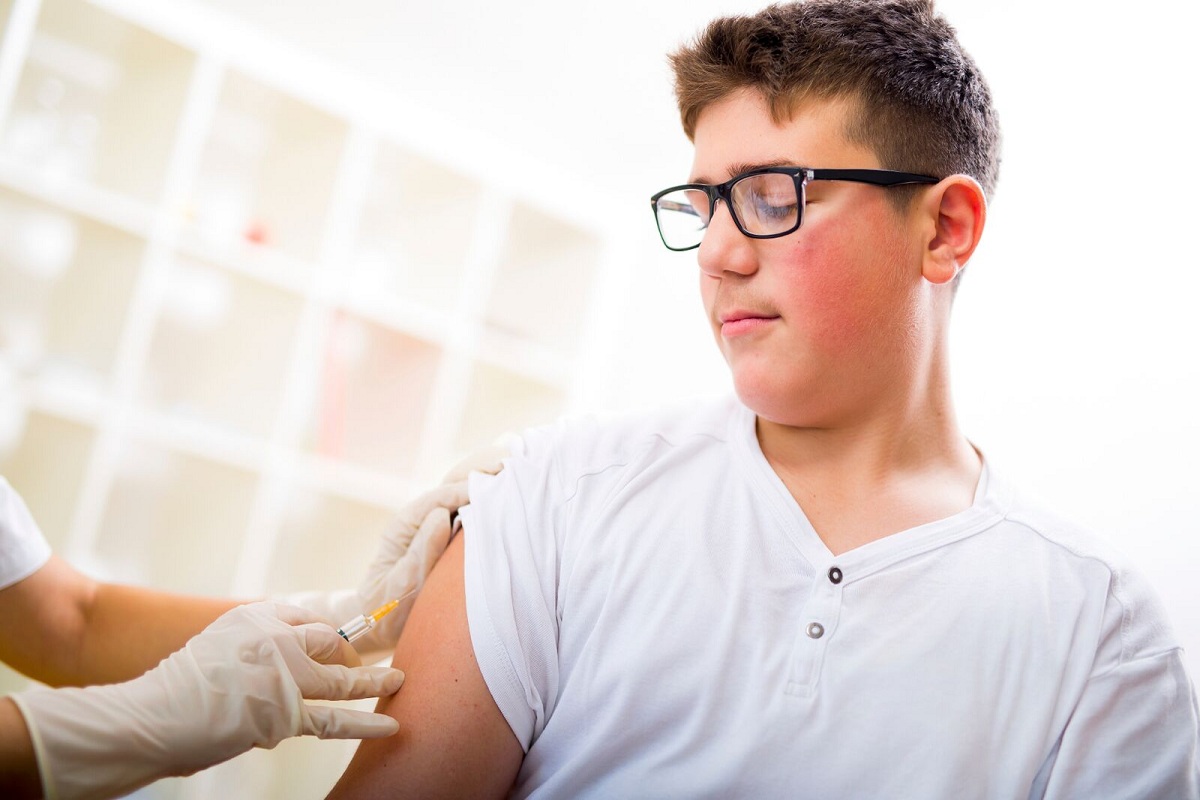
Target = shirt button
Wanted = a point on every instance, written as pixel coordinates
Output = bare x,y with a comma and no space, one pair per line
815,630
835,575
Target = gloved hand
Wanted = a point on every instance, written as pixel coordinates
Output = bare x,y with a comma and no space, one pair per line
238,684
406,554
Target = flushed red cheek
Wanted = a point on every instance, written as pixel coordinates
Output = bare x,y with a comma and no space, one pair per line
825,295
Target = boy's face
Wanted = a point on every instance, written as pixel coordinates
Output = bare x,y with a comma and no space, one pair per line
818,326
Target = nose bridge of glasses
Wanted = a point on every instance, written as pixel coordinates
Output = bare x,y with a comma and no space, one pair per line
723,193
719,192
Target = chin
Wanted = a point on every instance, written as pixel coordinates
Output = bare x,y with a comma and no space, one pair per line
791,405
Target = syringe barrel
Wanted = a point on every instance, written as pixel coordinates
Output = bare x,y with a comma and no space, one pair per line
356,629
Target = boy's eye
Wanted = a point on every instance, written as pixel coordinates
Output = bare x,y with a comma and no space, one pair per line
766,203
768,210
775,206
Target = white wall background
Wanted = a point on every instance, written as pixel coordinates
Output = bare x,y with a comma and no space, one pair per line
1077,327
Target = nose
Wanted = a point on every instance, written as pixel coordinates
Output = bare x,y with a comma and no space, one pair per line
724,249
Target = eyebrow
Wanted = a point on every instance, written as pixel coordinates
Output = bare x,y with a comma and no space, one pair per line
741,168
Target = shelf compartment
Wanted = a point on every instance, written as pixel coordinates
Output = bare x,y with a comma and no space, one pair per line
415,230
173,521
542,258
325,542
266,173
201,440
220,349
65,284
98,100
47,467
372,394
263,264
499,402
359,484
83,199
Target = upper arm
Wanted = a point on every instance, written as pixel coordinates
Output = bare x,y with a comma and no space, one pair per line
1135,732
453,740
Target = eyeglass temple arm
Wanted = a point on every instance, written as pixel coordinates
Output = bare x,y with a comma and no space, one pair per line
878,177
671,205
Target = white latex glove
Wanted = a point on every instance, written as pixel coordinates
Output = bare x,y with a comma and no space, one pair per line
238,684
406,554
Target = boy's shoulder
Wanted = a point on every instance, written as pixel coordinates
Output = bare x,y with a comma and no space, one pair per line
1142,627
594,442
1062,532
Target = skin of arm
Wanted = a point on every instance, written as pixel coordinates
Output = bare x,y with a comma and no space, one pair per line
453,740
64,629
19,776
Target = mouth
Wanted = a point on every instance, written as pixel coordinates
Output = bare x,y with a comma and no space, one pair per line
742,323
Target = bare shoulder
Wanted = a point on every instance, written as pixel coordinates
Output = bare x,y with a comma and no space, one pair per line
453,740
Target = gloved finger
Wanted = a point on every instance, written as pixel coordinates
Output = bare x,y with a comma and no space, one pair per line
326,646
452,493
347,723
407,574
293,615
486,459
448,496
336,682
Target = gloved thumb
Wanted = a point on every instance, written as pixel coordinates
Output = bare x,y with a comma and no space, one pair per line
327,722
325,645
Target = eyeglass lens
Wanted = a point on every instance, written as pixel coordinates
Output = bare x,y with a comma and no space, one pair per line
762,205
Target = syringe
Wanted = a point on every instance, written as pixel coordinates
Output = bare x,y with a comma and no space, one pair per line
361,625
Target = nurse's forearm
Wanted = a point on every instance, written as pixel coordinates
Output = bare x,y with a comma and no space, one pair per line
62,628
19,777
130,629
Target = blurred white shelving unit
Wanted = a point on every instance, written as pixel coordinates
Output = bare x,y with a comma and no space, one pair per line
253,305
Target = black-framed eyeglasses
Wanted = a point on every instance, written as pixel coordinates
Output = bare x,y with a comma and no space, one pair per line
765,203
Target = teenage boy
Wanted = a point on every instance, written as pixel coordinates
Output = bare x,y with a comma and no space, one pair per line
819,588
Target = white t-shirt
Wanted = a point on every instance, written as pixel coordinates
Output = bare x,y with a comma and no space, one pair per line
23,548
655,617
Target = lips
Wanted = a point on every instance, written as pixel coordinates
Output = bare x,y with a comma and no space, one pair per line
737,316
743,322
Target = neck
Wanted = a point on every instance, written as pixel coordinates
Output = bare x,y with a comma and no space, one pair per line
914,428
902,463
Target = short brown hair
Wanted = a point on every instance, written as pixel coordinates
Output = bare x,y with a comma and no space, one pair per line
923,105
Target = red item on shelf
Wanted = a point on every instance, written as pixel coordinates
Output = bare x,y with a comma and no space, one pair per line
257,232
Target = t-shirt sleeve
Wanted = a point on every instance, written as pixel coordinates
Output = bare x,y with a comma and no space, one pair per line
511,570
23,548
1135,731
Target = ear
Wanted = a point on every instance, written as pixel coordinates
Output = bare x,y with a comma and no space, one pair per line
957,209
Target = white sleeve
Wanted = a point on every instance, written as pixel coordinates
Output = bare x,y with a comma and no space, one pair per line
1133,734
1135,730
511,572
23,548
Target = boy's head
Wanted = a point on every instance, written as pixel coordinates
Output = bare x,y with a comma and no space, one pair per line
829,296
919,102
